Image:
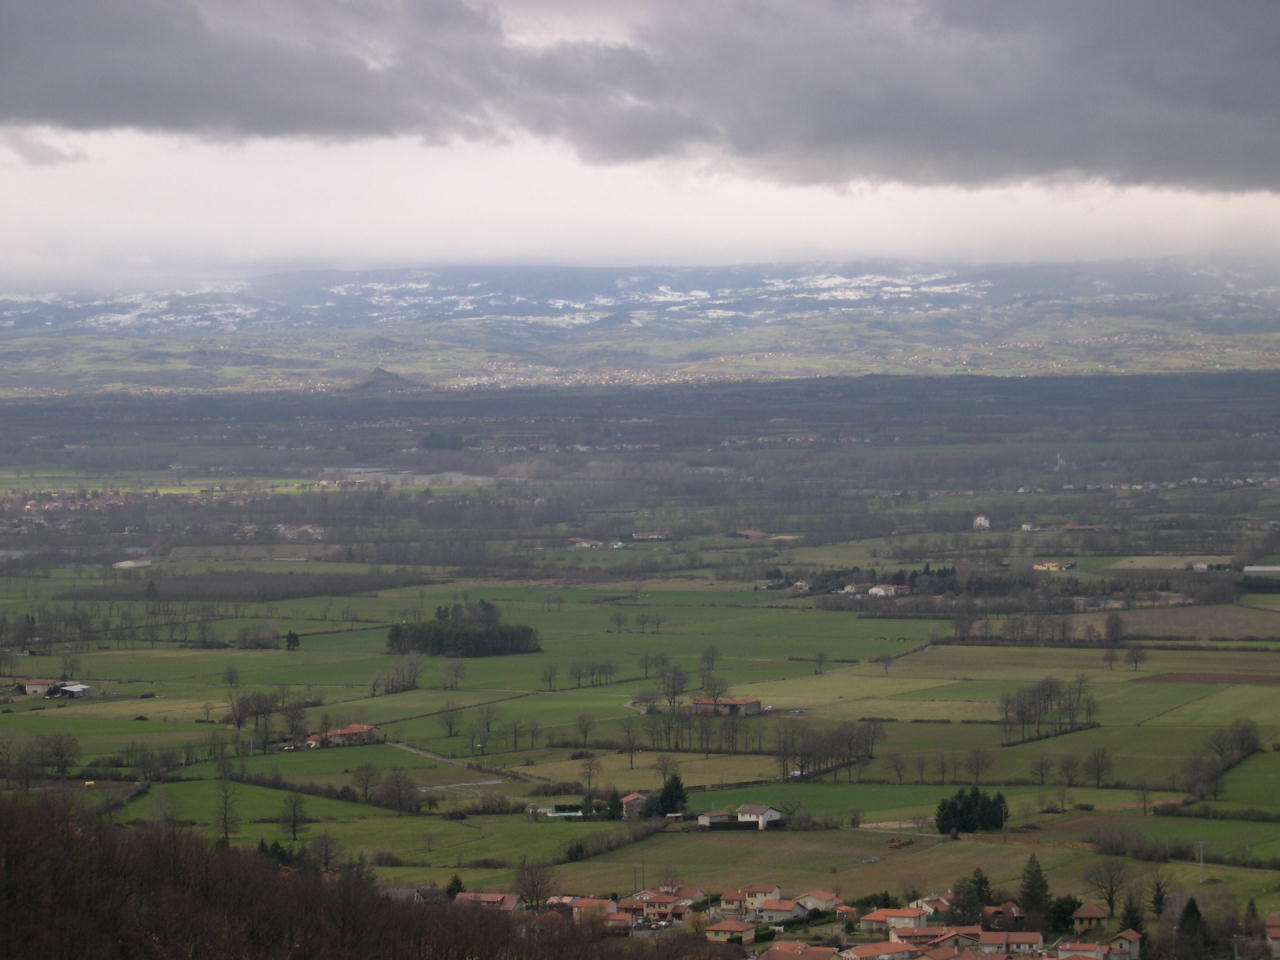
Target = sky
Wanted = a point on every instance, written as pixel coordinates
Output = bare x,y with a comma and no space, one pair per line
148,139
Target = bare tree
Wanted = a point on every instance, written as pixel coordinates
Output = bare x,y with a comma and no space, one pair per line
450,716
673,682
164,806
59,750
295,721
293,814
585,724
512,728
366,778
1144,795
666,766
1097,765
1135,656
895,763
1113,629
324,850
549,676
631,739
226,801
399,792
1107,879
1069,768
714,687
455,671
1042,769
977,762
487,718
534,884
820,662
709,657
590,770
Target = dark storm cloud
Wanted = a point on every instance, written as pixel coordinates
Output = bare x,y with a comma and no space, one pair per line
1165,92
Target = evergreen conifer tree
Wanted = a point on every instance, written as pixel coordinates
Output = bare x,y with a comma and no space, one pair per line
1033,895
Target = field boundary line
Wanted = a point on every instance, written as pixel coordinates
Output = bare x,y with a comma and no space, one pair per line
1179,706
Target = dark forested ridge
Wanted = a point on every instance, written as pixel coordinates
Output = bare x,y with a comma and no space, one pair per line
75,887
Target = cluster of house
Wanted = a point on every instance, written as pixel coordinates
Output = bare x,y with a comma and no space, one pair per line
727,706
586,543
54,689
748,816
352,735
877,590
909,934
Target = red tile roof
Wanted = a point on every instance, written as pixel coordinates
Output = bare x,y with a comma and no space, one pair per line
732,926
1092,911
886,913
886,948
1000,938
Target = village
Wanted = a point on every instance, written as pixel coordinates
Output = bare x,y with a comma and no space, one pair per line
767,924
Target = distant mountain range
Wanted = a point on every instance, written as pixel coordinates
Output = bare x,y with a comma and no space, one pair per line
460,326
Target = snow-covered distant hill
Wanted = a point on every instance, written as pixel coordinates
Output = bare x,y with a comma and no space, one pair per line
759,320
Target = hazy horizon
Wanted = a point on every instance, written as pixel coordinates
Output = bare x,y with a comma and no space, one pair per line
143,140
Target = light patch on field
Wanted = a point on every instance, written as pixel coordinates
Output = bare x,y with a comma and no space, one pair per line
907,710
153,708
694,769
1201,622
1166,562
1258,703
831,687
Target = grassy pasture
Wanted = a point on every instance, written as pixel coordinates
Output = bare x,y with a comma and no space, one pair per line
694,769
881,802
334,765
1260,703
1165,562
835,860
1201,622
755,634
98,736
1028,664
1255,782
1221,837
197,800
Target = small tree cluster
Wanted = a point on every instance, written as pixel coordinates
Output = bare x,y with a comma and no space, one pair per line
971,810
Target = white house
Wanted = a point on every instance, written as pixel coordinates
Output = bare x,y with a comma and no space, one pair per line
759,893
776,911
761,816
825,900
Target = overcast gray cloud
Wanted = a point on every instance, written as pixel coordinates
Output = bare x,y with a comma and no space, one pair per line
1160,92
